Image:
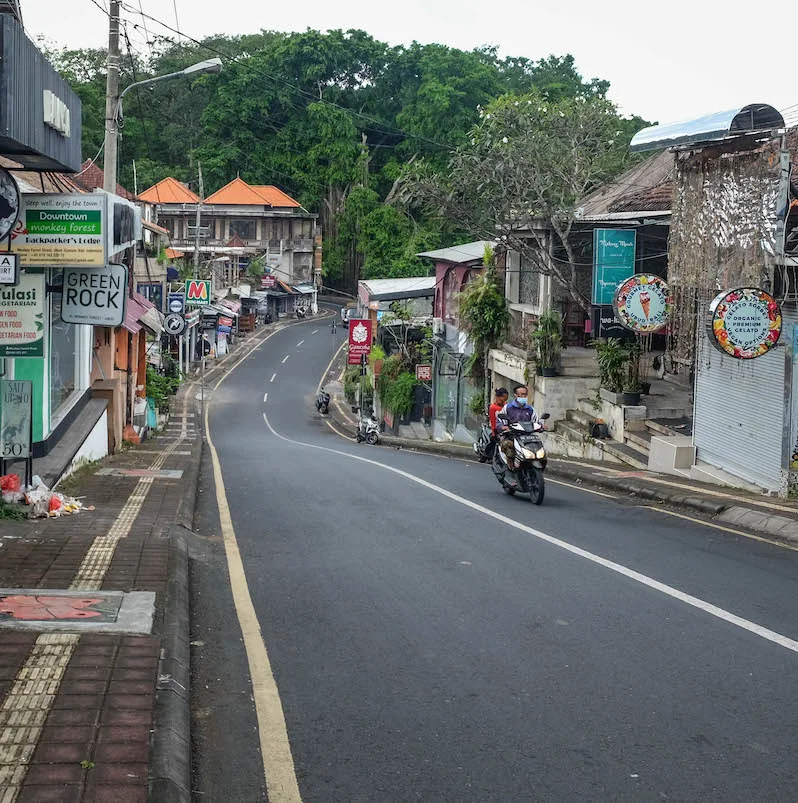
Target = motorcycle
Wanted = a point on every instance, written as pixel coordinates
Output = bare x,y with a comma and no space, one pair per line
521,450
368,430
485,444
323,402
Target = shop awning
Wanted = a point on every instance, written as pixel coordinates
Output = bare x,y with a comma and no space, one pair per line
233,306
305,288
173,253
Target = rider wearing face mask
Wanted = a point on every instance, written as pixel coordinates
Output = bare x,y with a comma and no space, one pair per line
520,409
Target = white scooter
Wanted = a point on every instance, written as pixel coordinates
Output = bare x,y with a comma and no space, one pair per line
368,430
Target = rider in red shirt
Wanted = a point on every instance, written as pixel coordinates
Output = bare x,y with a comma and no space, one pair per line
500,399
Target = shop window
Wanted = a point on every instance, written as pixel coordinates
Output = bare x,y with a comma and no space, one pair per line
64,355
245,229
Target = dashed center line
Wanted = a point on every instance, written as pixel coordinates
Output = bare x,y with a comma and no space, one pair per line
314,331
265,397
301,342
273,376
286,357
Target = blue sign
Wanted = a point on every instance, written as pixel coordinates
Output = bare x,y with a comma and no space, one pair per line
177,303
613,261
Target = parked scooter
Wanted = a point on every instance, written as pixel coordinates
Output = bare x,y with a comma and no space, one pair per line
485,444
323,402
368,430
520,452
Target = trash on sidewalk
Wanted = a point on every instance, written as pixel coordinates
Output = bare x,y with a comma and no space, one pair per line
38,498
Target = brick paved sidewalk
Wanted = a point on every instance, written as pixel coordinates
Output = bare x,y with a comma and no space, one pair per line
77,709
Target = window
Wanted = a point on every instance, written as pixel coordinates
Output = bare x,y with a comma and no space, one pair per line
63,354
245,229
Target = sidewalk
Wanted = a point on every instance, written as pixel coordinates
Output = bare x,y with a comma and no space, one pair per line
94,653
776,518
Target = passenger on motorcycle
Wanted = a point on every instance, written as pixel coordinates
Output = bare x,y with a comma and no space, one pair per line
499,400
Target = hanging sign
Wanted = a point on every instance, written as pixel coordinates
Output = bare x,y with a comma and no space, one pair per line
22,317
424,373
174,324
198,291
94,296
642,303
744,323
359,340
9,202
177,303
613,261
9,269
267,281
16,412
61,230
225,324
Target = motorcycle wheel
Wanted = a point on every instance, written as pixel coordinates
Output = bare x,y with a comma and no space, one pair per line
324,409
508,490
359,438
482,457
372,438
537,486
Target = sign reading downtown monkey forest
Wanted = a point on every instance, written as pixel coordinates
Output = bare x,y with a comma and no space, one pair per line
744,323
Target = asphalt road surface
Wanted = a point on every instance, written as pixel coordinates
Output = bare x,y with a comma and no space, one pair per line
435,640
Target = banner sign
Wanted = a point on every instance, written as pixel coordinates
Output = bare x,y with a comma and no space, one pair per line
198,291
22,317
225,325
359,340
94,296
744,323
267,281
424,373
613,261
642,303
16,413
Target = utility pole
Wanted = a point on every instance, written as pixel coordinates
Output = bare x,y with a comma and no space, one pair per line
111,99
197,224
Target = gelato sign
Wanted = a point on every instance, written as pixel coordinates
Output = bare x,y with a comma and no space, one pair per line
642,303
22,318
61,230
744,323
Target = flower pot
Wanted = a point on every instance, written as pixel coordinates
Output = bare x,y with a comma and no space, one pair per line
645,388
631,399
548,372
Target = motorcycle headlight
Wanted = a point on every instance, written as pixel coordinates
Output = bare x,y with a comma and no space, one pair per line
541,453
528,454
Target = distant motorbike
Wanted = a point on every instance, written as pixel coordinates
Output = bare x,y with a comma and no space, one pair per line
323,402
267,317
520,451
300,313
485,444
368,430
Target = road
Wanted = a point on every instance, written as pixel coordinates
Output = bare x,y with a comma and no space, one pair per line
434,640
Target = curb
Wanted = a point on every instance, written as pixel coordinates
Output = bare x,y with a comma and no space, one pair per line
170,765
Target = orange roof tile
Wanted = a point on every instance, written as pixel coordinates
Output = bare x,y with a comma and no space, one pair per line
239,193
173,253
169,191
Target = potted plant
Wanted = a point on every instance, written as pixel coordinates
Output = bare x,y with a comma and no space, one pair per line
547,342
631,383
612,357
376,359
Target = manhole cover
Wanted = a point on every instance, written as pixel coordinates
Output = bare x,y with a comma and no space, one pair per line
95,611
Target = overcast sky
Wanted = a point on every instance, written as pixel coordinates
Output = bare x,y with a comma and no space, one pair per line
677,61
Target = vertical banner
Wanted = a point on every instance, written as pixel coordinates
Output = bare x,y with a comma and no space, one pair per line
613,261
16,416
359,340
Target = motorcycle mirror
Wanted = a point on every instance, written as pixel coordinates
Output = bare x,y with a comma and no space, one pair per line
545,416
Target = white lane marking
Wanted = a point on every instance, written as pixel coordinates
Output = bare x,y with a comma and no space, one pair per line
265,397
580,488
650,582
300,343
314,331
273,376
329,366
285,358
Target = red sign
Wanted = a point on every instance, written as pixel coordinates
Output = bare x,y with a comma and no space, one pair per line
359,340
267,281
424,373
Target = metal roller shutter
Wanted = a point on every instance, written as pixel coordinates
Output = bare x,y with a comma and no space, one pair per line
739,412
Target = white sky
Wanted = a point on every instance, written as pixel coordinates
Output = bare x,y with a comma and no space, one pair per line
678,61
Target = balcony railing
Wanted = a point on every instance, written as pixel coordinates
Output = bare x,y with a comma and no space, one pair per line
273,246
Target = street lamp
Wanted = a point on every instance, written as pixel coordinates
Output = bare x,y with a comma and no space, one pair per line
112,125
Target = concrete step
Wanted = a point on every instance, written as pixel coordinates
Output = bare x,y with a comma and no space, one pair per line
671,453
580,417
620,451
670,426
660,408
638,439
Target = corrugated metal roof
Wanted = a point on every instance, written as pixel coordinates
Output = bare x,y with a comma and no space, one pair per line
467,252
399,288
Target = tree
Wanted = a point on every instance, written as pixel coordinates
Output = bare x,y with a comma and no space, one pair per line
523,169
484,315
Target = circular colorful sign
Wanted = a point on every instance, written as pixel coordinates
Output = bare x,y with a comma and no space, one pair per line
643,303
9,203
744,323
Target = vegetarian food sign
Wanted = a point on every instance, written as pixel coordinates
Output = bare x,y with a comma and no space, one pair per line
61,230
22,318
642,303
744,323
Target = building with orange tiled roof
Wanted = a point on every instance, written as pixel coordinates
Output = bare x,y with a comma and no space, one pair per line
240,221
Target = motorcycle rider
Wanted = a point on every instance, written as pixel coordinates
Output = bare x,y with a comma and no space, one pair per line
517,411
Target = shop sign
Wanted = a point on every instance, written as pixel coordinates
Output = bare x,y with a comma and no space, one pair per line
424,373
225,325
177,303
22,317
642,303
61,230
613,261
9,203
192,318
174,324
744,323
94,296
604,323
124,224
208,321
267,281
198,291
9,269
359,340
16,414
